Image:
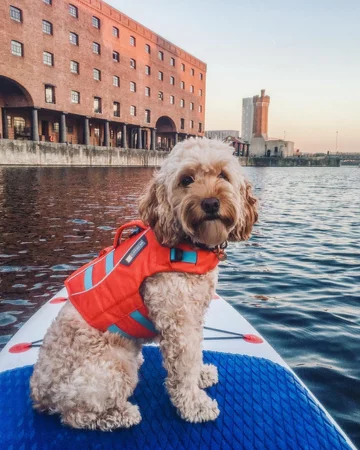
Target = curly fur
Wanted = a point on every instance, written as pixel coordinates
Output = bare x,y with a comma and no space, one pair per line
86,375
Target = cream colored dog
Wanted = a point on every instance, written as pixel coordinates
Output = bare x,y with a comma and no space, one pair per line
86,375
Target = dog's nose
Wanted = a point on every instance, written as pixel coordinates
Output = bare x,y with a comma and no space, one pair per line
210,205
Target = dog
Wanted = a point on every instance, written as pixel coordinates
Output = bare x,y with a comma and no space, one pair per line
199,196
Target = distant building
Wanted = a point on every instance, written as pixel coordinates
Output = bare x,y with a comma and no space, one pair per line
261,145
247,118
271,147
257,146
260,124
222,135
279,147
261,113
241,147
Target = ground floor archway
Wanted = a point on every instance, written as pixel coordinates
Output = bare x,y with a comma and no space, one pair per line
166,133
15,104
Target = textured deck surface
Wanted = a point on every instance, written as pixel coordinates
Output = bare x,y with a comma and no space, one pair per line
262,406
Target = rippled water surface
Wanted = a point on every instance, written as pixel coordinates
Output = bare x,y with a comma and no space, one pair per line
297,280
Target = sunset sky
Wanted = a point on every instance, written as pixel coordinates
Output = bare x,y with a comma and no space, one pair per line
306,54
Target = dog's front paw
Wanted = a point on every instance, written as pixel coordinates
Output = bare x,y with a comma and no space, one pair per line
130,416
199,409
208,376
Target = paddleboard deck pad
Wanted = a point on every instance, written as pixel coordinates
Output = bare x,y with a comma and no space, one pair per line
263,404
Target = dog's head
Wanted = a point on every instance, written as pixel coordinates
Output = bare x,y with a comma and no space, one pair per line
199,194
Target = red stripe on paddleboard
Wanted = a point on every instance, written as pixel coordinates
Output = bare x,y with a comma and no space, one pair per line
20,348
57,300
252,339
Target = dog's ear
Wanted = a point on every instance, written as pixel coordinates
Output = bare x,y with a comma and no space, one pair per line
148,206
156,211
249,215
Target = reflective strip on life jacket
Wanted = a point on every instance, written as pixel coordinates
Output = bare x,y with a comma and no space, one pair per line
109,262
109,266
115,329
88,278
140,319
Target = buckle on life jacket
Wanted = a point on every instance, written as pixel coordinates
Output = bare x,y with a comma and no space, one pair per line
136,231
180,255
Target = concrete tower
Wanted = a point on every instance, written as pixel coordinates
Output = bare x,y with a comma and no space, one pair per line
261,110
247,118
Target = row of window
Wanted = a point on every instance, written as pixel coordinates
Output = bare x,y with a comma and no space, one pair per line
161,97
97,76
48,59
16,14
75,98
56,128
74,39
116,82
19,122
17,49
19,125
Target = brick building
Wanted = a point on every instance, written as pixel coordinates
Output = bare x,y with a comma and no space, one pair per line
261,114
83,72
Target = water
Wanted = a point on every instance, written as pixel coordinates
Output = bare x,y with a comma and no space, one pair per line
297,280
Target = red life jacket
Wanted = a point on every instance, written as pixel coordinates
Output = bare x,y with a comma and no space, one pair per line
106,290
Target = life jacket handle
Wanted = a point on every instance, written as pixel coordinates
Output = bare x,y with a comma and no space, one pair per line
132,224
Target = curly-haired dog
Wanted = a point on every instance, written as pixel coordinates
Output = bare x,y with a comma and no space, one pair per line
199,196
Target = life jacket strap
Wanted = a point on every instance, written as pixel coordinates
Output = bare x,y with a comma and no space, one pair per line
180,255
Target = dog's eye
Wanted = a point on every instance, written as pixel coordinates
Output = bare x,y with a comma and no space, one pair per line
185,181
223,176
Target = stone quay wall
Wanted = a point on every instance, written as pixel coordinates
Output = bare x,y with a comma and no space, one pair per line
256,161
29,153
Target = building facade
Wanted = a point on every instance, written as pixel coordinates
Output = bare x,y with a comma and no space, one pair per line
222,135
272,147
247,118
261,112
80,71
279,148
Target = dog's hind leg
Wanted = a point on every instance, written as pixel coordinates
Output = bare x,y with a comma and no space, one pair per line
95,396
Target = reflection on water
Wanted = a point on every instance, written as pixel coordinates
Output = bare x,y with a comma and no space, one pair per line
297,279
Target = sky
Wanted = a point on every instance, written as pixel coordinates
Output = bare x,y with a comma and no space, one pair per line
305,53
